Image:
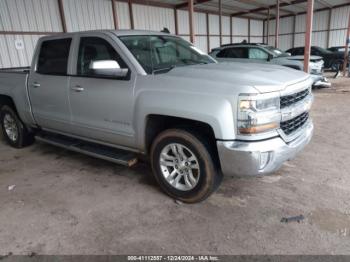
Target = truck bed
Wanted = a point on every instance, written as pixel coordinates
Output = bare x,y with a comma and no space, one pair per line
13,84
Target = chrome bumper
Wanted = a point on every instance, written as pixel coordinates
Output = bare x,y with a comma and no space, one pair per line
262,157
320,81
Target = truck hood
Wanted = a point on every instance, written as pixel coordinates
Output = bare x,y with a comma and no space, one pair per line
263,77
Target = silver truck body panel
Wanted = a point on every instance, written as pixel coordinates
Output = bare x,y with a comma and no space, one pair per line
14,85
115,112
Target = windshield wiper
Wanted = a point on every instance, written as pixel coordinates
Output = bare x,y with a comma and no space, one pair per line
163,70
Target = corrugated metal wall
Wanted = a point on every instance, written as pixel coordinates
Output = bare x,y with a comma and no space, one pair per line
339,21
337,34
27,16
88,14
123,15
40,17
153,18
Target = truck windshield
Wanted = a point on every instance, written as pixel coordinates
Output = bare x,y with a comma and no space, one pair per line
159,53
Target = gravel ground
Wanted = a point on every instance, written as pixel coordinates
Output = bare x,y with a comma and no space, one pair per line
67,203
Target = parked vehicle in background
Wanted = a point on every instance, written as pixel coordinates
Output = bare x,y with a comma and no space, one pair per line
337,48
118,94
332,60
262,53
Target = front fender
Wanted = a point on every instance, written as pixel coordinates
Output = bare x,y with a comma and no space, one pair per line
216,111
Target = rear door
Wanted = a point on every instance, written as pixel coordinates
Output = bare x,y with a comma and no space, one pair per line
48,84
102,107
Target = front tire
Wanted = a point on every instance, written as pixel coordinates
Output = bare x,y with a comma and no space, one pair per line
13,129
183,165
337,65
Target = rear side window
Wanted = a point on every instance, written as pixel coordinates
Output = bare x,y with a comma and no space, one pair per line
53,57
298,51
238,52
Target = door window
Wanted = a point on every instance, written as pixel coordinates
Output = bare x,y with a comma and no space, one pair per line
299,51
257,53
53,57
314,51
95,49
238,52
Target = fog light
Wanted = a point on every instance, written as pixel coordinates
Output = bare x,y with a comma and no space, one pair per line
264,159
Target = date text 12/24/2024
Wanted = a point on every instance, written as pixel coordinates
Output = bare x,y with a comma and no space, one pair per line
173,258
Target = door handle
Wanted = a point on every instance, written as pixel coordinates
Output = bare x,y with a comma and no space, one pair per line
36,85
77,88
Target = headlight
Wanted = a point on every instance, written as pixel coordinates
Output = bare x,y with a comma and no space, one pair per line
258,113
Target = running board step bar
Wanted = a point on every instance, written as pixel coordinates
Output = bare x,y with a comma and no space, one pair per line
114,155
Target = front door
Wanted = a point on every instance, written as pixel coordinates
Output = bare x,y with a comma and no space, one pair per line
48,85
102,106
257,55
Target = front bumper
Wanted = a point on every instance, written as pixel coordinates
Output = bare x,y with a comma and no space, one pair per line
320,81
262,157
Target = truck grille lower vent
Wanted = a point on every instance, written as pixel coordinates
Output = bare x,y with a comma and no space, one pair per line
294,98
292,125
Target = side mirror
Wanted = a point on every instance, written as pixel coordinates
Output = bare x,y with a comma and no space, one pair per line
270,57
108,68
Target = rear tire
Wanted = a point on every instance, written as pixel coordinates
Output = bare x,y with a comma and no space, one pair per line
13,129
184,165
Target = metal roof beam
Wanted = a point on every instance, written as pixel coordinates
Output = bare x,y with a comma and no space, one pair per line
195,3
324,3
294,2
257,4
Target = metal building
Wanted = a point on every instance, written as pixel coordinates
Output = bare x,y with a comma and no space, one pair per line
213,22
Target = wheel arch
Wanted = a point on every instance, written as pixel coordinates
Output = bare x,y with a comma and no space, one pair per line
7,100
155,124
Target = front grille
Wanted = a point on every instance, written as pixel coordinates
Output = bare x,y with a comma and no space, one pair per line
292,125
316,71
294,98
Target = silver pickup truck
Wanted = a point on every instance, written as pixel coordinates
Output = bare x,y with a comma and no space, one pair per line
119,95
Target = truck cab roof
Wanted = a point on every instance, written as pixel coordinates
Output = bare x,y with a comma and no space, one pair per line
122,32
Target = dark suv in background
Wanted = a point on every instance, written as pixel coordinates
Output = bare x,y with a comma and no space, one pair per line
332,59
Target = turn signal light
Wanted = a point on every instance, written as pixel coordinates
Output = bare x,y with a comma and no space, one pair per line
258,129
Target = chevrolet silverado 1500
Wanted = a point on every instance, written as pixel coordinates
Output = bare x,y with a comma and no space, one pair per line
120,94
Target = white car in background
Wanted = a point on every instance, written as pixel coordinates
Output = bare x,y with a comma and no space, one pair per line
262,53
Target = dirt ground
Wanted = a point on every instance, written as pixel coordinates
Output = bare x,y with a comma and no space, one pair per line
67,203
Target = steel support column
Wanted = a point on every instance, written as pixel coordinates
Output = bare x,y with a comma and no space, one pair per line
268,25
176,22
277,20
231,21
115,15
62,16
308,34
329,26
294,26
208,33
264,31
248,30
347,42
220,21
131,14
190,19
